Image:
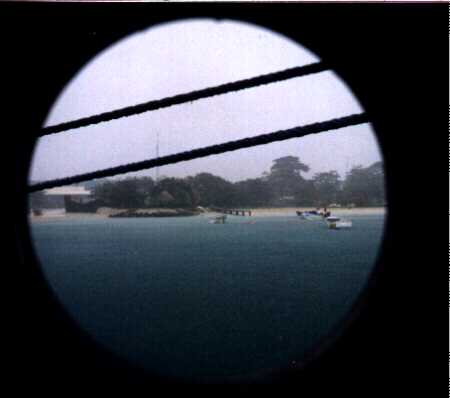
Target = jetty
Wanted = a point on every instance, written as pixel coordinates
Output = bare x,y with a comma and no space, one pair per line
233,212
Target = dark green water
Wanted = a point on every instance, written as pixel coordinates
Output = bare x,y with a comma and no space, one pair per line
187,298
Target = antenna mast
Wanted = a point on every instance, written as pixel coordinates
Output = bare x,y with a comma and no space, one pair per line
157,156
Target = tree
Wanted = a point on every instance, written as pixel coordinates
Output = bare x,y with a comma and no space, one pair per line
213,190
365,186
145,185
305,193
283,185
288,166
253,192
327,186
285,178
376,183
122,194
173,192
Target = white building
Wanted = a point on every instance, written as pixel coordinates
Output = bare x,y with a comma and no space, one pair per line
63,197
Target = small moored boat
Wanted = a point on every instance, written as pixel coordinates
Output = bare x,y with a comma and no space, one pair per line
311,215
337,223
219,219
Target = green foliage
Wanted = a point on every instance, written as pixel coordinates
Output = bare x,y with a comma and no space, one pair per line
288,166
327,186
305,194
365,186
285,176
128,193
283,185
213,190
253,192
174,193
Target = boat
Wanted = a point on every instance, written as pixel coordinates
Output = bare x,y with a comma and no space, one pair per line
311,215
219,219
338,223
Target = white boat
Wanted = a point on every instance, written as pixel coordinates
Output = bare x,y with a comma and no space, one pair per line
337,223
310,215
219,219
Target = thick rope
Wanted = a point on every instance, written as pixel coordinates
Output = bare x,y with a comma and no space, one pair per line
281,135
187,97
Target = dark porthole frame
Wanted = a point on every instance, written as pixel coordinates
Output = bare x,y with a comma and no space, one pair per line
54,329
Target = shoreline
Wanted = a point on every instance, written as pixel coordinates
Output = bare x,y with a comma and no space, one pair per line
338,211
256,212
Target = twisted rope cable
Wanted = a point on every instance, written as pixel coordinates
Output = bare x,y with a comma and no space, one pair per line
187,97
281,135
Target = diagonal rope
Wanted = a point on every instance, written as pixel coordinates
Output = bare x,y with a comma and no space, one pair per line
187,97
281,135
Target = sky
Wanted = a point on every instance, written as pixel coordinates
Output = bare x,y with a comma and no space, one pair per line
188,55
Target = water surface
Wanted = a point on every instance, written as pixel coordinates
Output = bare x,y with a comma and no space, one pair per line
186,298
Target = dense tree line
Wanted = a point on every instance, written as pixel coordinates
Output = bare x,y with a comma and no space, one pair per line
283,185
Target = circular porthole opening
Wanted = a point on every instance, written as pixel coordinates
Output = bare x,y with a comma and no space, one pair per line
223,268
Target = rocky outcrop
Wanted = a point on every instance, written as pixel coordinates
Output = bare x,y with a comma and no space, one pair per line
141,213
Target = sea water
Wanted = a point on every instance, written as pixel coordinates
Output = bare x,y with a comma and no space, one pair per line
183,297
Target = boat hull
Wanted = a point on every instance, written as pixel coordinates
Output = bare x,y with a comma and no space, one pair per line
311,217
340,224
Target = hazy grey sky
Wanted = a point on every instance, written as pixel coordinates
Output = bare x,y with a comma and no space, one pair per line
179,57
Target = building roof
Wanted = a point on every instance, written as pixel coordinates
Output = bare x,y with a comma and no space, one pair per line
67,190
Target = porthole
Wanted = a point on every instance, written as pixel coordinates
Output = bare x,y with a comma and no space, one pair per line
228,267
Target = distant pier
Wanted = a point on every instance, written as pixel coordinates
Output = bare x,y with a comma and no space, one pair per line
233,212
